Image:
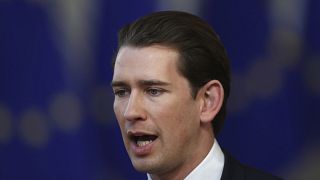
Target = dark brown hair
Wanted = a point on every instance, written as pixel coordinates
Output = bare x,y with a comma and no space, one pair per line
202,55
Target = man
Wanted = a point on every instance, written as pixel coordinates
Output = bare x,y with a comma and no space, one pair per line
171,81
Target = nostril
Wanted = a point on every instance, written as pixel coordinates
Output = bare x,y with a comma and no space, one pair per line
134,118
134,115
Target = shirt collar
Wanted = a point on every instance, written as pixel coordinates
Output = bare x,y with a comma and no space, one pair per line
211,166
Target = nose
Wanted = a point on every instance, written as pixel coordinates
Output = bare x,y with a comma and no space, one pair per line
134,110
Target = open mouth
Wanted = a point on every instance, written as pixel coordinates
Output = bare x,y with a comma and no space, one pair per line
143,140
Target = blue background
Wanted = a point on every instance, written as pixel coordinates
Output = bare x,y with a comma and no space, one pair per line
56,117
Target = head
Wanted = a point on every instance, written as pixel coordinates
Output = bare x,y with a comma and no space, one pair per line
171,81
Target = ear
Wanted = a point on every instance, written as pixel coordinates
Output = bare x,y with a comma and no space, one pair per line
212,94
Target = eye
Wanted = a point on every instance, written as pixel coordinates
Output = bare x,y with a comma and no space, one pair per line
154,91
121,92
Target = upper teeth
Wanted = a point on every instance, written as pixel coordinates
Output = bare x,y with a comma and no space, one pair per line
143,143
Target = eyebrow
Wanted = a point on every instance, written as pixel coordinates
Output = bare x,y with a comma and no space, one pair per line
150,82
153,82
118,83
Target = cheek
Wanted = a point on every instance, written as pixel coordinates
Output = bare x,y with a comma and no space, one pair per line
118,107
177,117
118,111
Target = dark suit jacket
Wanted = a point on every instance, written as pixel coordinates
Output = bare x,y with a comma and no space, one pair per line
234,170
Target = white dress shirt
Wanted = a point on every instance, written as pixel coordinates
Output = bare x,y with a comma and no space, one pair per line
211,166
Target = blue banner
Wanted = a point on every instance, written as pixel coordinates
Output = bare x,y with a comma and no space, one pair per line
56,103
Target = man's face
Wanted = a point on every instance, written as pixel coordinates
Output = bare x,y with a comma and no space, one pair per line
158,117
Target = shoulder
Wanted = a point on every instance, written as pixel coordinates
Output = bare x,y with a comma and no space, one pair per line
233,169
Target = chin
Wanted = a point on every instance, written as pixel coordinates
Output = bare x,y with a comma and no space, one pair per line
141,167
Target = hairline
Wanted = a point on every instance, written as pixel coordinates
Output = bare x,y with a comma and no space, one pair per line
179,63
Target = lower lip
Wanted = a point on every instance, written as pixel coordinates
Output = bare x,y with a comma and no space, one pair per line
142,150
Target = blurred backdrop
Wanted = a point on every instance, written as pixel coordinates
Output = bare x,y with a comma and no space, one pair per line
56,116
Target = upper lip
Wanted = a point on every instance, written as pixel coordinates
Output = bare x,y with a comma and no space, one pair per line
139,133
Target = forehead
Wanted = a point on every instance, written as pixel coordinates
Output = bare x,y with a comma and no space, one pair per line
152,62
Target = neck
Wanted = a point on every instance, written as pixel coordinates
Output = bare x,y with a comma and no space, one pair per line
204,143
